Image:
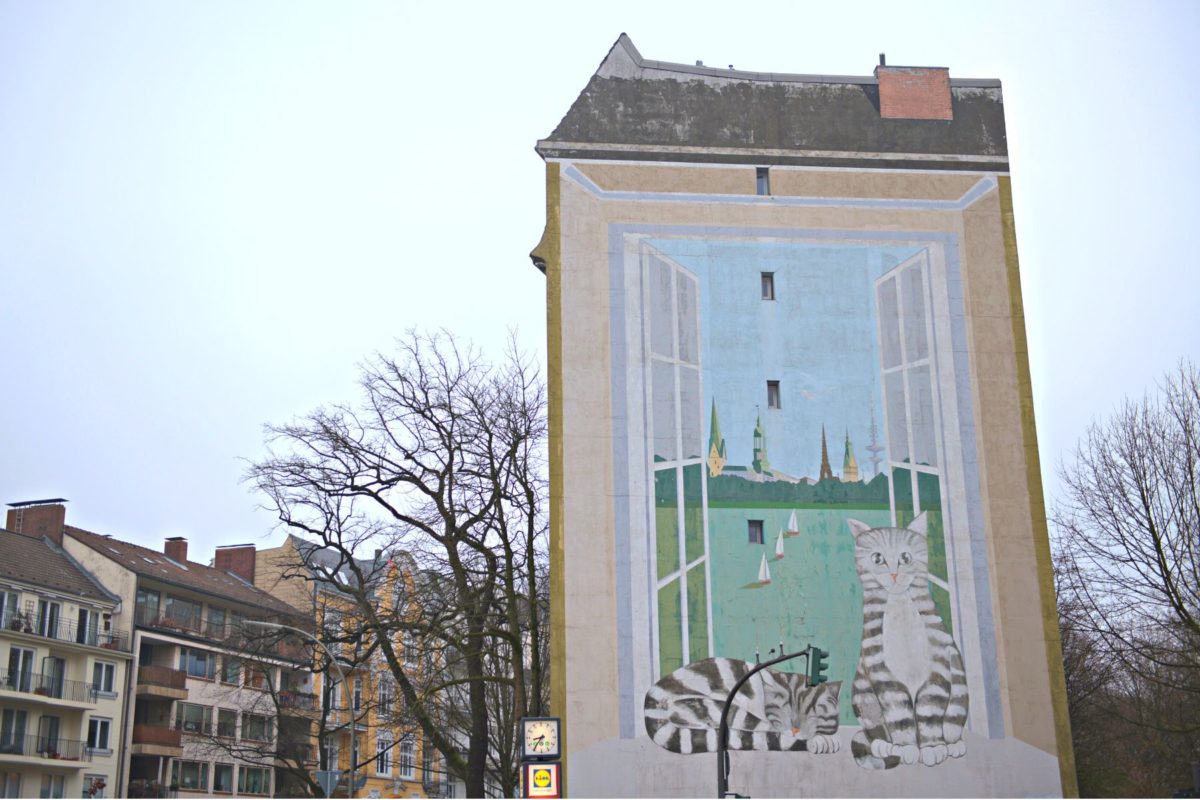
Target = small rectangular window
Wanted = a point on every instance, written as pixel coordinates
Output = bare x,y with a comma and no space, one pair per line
768,286
98,732
763,180
103,674
773,397
754,528
223,778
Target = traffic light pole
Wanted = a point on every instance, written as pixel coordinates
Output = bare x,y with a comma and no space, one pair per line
723,730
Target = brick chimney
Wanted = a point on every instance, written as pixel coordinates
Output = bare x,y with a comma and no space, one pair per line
914,92
175,548
38,518
238,559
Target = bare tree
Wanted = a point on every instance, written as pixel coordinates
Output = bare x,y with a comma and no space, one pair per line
442,458
1128,576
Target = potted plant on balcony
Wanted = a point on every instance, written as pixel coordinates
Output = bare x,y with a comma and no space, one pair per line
42,690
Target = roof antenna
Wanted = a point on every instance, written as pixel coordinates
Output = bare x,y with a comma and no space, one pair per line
882,60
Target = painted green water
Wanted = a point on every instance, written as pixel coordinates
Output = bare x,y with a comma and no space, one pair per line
814,596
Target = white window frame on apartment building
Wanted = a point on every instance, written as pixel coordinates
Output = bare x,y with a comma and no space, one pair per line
383,753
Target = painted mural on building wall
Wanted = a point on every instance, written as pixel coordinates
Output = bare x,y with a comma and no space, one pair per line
798,392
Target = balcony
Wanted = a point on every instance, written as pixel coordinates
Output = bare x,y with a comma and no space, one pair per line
165,682
65,631
302,704
40,749
47,688
156,740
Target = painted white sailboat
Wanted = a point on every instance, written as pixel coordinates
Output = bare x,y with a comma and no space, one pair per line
792,528
779,546
764,572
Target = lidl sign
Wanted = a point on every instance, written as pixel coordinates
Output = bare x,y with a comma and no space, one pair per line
541,780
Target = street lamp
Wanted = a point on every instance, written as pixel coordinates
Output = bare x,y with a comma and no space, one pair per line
341,676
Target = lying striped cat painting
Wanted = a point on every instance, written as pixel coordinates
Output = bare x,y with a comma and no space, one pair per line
772,711
910,691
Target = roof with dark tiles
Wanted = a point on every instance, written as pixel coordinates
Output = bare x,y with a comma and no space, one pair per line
638,109
190,575
37,562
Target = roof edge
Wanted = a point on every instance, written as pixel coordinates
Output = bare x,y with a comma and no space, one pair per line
625,61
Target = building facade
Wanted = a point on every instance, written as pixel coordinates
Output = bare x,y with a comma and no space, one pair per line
208,710
63,687
367,720
779,256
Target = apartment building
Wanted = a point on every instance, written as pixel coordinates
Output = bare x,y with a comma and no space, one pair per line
366,721
215,709
63,680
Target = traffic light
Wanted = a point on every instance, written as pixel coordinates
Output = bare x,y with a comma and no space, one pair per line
818,664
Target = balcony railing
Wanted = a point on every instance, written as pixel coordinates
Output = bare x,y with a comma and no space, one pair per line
47,686
143,787
227,631
64,630
157,734
51,747
302,701
154,675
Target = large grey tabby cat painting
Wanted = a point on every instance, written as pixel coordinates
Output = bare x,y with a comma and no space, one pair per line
772,711
910,691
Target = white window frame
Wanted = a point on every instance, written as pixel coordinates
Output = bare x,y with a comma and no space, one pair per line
407,762
106,686
101,741
383,754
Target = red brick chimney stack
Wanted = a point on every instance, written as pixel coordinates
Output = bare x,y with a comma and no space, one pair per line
38,518
238,559
175,548
914,92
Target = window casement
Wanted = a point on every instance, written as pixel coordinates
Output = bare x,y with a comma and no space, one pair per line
358,694
762,180
223,778
408,757
256,728
192,718
230,670
99,730
768,285
190,775
20,669
383,754
104,678
254,780
754,531
53,785
226,723
198,663
774,397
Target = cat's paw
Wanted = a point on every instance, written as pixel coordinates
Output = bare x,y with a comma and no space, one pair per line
956,749
908,753
821,743
933,754
881,748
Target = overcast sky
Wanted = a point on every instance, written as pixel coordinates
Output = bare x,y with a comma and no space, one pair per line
210,212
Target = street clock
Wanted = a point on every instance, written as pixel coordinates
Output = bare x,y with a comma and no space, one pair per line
540,739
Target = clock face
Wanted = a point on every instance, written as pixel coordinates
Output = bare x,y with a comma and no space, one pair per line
541,738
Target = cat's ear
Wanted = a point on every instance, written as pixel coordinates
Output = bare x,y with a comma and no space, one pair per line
857,528
920,525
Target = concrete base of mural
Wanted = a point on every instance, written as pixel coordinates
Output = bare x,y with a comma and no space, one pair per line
639,768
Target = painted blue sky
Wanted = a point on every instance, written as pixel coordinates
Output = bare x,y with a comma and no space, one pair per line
211,211
818,338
